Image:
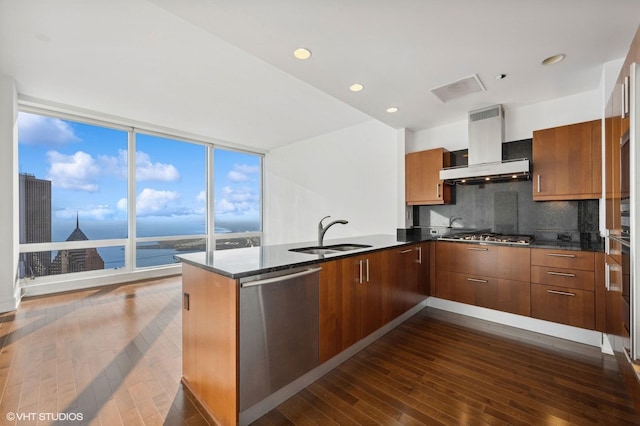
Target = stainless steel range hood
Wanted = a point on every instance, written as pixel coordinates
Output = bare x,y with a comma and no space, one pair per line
486,134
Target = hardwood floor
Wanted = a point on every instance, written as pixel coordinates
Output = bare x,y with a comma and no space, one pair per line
113,355
110,355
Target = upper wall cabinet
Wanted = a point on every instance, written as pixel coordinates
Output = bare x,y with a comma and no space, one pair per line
422,177
567,162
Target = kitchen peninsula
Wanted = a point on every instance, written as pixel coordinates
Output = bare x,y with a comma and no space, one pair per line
260,323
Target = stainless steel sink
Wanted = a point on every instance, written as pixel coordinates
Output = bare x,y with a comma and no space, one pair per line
335,248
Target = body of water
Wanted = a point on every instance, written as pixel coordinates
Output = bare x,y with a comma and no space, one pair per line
114,257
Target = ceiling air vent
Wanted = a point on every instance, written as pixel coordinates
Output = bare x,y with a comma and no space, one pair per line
458,88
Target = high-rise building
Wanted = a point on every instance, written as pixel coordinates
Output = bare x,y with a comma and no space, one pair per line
76,260
35,223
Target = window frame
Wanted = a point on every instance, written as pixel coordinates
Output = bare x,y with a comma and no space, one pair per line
130,271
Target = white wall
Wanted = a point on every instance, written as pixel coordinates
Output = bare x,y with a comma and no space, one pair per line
348,174
9,189
520,122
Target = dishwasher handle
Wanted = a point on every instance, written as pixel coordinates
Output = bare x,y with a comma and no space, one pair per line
280,278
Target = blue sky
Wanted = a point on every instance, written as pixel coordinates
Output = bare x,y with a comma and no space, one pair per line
88,168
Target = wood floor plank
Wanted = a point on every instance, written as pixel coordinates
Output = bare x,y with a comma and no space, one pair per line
114,354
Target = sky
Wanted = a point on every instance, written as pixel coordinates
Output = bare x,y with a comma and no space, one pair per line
87,166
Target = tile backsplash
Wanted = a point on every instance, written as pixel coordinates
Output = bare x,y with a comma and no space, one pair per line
509,208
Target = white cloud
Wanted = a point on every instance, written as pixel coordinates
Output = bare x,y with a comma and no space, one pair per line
242,172
152,202
77,171
40,130
147,170
122,204
202,196
237,201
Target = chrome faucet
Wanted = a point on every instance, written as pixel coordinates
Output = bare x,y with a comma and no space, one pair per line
322,230
453,219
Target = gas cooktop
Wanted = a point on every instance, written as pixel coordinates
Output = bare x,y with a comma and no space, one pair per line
489,237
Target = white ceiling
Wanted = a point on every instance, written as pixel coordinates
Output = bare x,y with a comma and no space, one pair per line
224,69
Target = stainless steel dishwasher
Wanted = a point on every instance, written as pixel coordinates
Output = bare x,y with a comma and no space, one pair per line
278,331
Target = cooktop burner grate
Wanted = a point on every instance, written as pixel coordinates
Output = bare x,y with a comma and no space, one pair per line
489,237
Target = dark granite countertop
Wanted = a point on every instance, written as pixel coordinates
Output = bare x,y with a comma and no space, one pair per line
541,244
245,262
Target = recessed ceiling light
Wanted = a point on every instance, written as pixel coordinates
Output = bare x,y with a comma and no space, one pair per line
553,59
356,87
302,53
392,109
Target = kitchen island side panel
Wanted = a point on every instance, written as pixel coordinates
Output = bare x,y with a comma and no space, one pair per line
210,342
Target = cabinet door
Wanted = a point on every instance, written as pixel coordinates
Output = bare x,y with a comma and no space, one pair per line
488,292
423,271
566,162
407,279
370,288
566,306
330,310
422,177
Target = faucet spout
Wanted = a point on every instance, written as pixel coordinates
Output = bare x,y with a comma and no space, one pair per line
453,219
323,229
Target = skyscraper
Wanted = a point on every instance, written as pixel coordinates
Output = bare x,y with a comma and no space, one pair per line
35,223
76,260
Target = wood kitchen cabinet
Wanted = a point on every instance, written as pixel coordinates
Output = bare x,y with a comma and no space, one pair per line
360,294
494,277
352,291
567,162
210,354
563,287
409,282
422,177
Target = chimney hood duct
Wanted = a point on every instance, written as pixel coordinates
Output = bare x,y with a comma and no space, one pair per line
486,134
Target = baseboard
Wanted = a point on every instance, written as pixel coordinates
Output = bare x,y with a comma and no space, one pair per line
567,332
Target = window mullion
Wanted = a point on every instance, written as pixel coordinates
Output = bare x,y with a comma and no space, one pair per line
131,203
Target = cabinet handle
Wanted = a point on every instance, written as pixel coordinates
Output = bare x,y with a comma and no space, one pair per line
476,280
560,255
562,274
419,255
185,301
561,293
477,249
607,276
360,272
538,183
367,262
438,190
406,251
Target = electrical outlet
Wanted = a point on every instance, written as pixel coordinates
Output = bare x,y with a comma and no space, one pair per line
433,231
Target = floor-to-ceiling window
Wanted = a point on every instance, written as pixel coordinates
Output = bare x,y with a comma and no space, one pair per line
170,208
237,198
97,197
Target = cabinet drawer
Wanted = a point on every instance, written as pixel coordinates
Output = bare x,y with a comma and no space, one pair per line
493,293
562,305
512,263
568,259
571,278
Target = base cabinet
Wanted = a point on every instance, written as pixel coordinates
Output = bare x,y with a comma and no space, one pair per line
494,277
360,294
563,287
